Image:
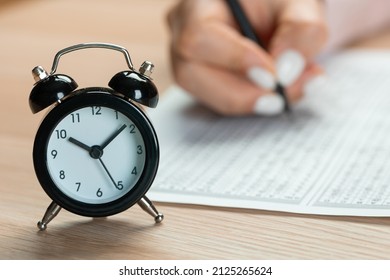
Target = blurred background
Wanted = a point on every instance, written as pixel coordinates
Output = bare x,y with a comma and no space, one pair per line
33,31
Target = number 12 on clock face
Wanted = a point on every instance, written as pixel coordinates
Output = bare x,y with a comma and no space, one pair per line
96,159
85,164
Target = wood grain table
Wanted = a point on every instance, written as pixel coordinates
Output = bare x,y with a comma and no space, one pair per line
31,32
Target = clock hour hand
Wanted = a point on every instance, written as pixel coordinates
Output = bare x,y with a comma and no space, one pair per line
112,137
80,144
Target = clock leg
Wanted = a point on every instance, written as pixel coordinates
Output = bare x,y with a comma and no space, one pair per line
50,214
148,206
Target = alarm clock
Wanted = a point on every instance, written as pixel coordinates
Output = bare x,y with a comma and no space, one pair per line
96,152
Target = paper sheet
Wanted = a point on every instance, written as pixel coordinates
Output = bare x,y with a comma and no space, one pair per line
331,156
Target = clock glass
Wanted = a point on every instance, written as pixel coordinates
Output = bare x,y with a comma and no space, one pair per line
95,154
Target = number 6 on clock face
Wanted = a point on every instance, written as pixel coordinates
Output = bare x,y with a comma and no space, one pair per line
96,153
109,176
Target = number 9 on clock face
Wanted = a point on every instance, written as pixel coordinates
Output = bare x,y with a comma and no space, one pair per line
96,154
108,175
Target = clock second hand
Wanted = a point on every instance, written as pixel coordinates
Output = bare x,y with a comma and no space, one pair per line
96,152
99,149
104,145
108,172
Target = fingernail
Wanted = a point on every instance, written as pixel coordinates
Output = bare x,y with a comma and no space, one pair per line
269,105
289,66
315,84
261,77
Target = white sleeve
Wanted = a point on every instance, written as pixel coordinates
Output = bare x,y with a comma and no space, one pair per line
349,20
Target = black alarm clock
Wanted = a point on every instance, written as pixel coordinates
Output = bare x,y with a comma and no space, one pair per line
96,152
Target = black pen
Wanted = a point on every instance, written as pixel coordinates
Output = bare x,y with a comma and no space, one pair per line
247,31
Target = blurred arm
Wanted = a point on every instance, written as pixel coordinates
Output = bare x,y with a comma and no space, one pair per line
350,20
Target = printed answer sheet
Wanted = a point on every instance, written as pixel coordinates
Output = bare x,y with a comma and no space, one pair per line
331,156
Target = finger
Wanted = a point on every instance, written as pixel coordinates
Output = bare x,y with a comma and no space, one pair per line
312,73
226,92
221,46
301,26
300,34
208,36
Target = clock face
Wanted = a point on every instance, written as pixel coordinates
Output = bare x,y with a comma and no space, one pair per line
96,154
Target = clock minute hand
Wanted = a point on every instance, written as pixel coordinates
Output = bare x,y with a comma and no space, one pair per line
80,144
112,137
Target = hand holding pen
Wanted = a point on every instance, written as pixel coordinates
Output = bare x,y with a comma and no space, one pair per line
224,68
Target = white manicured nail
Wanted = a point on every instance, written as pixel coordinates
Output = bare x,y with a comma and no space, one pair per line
289,66
269,105
315,84
261,77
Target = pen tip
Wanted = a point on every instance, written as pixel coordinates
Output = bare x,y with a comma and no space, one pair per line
280,90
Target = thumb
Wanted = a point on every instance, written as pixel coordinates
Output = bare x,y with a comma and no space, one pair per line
300,34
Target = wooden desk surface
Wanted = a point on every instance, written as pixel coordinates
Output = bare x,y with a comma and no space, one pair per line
31,33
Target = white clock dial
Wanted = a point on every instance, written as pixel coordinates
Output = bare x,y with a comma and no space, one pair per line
95,155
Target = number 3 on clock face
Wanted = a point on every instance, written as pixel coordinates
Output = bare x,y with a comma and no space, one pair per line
108,175
99,156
